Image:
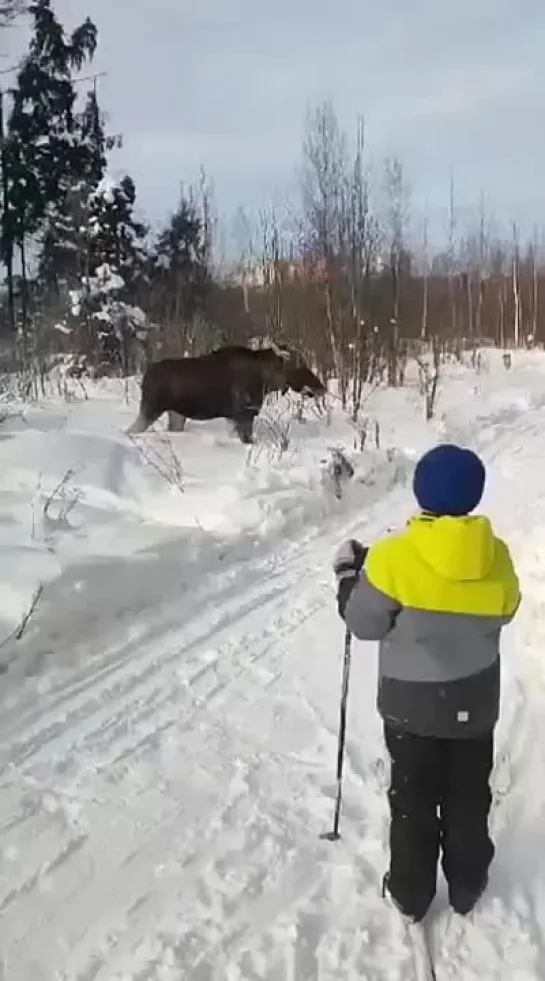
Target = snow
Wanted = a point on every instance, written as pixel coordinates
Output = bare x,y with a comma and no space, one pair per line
168,718
105,280
107,189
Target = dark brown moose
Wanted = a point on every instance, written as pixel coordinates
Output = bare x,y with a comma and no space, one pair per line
230,382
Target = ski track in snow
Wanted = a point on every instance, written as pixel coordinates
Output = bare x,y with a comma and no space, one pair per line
161,802
122,727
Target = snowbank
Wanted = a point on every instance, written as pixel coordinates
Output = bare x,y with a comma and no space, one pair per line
76,488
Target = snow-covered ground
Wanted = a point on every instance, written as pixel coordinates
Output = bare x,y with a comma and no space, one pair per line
169,712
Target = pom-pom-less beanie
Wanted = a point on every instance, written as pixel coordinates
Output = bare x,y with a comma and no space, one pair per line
449,480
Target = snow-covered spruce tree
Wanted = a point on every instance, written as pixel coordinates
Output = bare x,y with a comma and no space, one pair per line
64,258
10,10
42,154
180,271
111,291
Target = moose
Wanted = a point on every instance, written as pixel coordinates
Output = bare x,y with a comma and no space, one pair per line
230,382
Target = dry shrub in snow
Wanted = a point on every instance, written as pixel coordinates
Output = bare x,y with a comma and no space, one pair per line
479,362
54,510
303,405
18,632
6,409
58,506
271,432
10,401
50,513
363,428
70,374
338,471
158,451
429,374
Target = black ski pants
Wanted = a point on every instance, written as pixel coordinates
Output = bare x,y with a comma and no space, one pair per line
440,801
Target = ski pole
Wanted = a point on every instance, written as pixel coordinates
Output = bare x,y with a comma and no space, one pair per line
334,835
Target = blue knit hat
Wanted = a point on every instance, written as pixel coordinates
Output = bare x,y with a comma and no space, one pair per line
449,480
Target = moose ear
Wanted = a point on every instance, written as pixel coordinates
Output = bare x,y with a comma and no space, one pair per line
281,350
282,353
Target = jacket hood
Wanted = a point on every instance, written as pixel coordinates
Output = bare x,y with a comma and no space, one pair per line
458,549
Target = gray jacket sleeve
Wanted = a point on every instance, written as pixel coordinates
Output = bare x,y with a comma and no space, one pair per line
368,613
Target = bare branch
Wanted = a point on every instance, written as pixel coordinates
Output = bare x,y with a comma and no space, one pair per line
170,469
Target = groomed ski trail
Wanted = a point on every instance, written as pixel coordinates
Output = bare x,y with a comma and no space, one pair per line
161,805
155,802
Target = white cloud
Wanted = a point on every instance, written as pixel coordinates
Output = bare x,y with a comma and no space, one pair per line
226,84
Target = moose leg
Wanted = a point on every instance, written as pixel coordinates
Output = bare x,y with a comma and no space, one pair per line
140,424
244,425
176,422
145,418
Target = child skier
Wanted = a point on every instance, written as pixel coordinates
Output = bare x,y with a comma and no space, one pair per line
436,597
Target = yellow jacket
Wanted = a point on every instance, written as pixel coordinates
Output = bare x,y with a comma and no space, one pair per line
436,596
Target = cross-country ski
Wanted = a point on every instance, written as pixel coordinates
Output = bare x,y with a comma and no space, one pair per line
424,965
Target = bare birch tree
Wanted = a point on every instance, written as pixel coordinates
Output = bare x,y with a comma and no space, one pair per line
397,204
451,252
362,237
517,300
535,292
425,276
244,241
324,184
483,266
273,267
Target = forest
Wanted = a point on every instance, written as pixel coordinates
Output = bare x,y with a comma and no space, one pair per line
340,275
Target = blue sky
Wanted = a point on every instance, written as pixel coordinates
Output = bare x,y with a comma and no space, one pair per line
225,83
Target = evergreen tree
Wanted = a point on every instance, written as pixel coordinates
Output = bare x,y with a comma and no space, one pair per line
92,136
110,293
42,156
181,273
10,9
63,260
